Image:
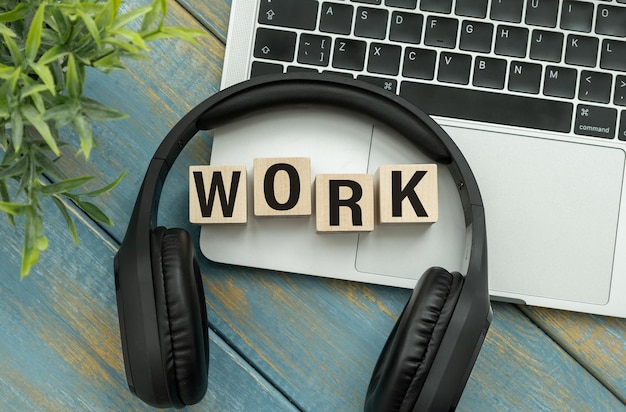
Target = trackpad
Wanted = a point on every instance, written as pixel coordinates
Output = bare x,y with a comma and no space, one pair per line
552,212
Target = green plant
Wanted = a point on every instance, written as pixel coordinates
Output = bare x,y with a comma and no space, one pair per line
46,48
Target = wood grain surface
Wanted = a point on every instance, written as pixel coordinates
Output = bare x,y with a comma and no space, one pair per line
279,341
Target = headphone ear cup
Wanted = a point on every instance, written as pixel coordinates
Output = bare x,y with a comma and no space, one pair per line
181,315
410,350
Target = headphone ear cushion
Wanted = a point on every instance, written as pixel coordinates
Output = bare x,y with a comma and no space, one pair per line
181,315
410,350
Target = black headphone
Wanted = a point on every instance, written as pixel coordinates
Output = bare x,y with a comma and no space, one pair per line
429,355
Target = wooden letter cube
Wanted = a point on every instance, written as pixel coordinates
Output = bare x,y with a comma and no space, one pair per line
218,194
344,202
282,187
408,193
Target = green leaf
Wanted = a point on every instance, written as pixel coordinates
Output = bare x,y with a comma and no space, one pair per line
33,40
97,111
19,12
44,73
34,241
83,128
124,19
5,197
54,54
182,33
68,219
66,185
14,170
14,209
106,188
74,82
35,118
17,130
93,211
91,27
14,49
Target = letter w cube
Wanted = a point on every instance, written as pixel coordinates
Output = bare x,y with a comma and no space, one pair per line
217,194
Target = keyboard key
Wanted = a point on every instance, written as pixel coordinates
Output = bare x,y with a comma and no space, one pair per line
476,36
371,23
613,56
300,69
314,49
621,134
419,63
595,86
297,14
560,82
349,54
524,77
595,121
471,8
542,12
439,6
507,10
581,50
275,44
336,18
385,84
611,20
454,68
406,27
577,15
441,32
546,46
490,107
511,41
384,59
619,97
264,68
489,72
407,4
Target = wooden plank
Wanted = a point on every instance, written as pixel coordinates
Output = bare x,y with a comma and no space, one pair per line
317,339
597,342
60,346
212,14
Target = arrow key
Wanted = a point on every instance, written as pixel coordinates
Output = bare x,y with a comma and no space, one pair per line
595,87
619,98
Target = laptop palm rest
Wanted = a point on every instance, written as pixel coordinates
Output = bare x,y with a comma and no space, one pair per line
516,187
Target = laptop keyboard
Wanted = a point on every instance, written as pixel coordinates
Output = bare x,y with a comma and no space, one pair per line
554,65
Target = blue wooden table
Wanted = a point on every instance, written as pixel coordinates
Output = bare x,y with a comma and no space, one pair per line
279,341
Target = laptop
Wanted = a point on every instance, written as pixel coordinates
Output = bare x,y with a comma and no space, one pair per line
553,186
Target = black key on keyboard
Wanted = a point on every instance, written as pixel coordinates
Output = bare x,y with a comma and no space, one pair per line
263,69
441,32
476,36
542,12
489,72
621,134
595,86
406,27
407,4
560,82
419,63
507,10
611,20
595,121
349,54
275,44
367,1
297,14
314,49
386,84
619,97
546,46
581,50
613,56
440,6
454,68
511,41
498,108
384,59
524,77
577,15
471,8
336,18
371,23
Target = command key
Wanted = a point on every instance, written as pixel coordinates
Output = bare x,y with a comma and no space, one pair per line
595,121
